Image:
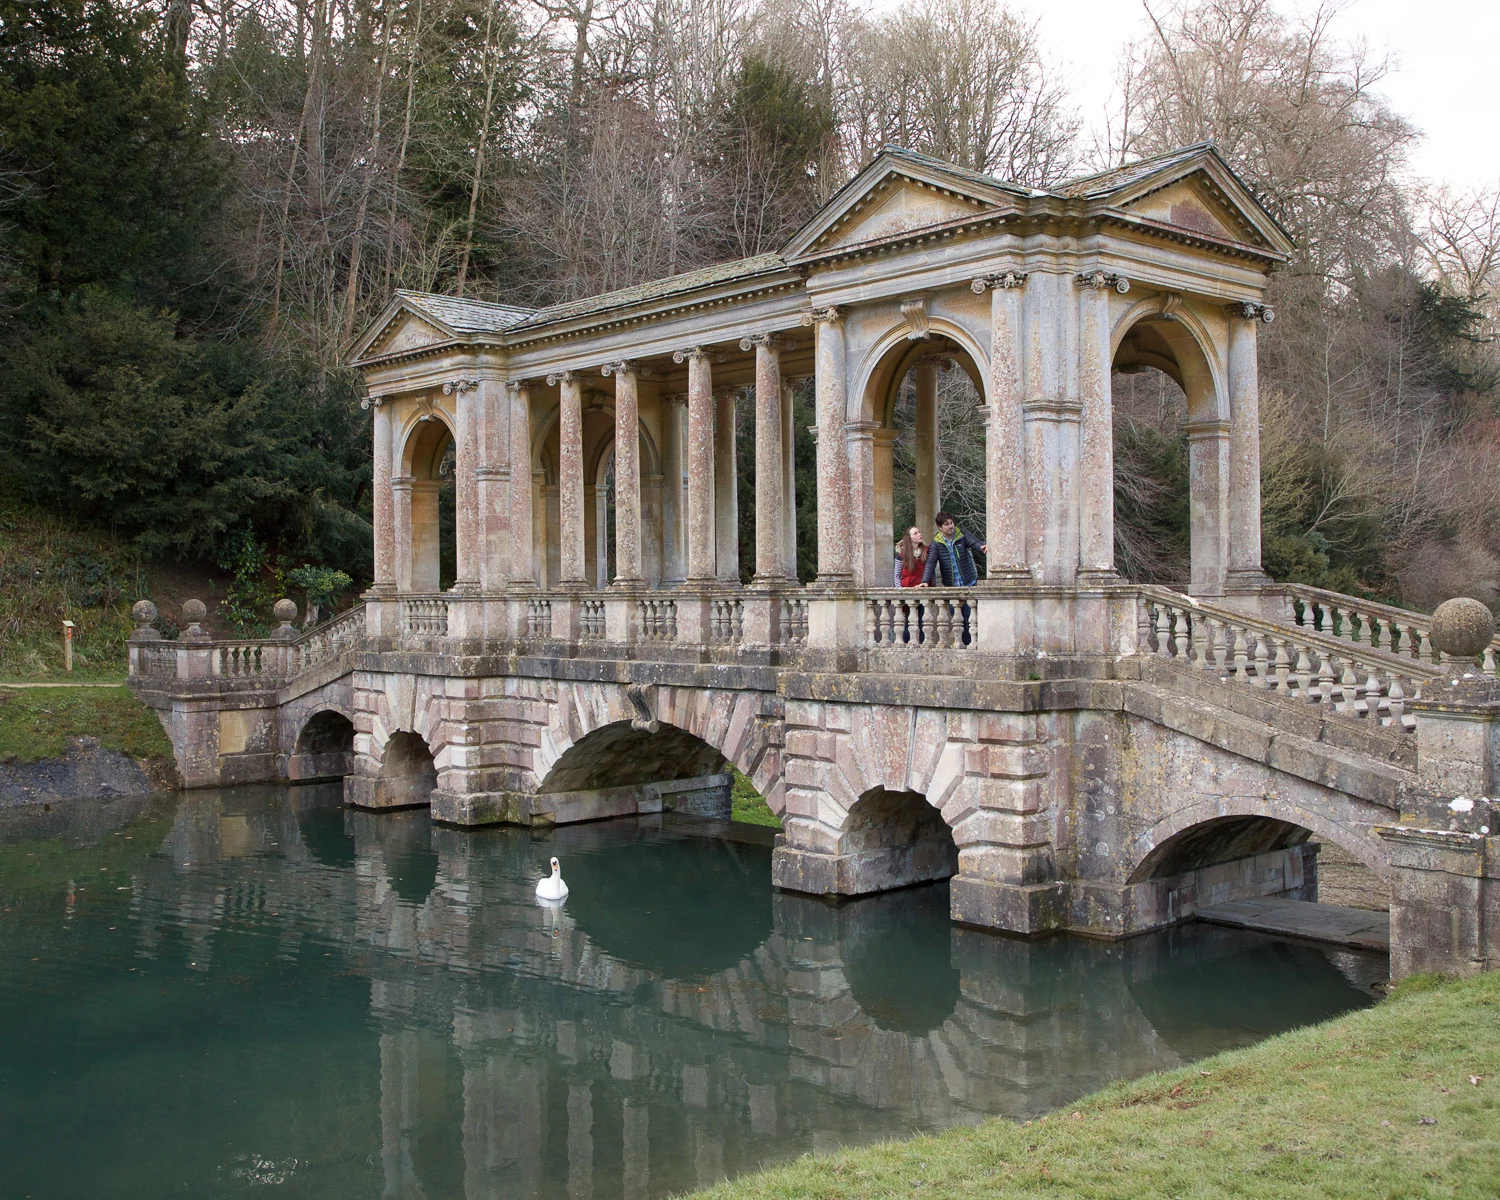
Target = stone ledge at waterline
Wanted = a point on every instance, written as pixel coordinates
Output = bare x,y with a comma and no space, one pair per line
1402,1099
76,743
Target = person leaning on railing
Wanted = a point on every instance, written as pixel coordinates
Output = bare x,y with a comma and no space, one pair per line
912,553
950,562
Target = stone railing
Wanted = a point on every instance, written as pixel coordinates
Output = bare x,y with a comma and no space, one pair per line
538,617
656,619
330,639
726,620
1289,660
591,619
247,659
154,660
921,618
1364,622
424,616
793,621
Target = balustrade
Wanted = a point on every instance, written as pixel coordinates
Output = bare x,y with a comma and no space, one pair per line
1294,661
726,620
1363,622
245,660
591,620
929,619
330,639
539,617
425,616
657,619
793,621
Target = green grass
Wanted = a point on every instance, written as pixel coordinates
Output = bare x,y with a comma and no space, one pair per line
748,805
36,723
1330,1111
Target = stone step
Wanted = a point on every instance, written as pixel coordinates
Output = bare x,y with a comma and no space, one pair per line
1358,927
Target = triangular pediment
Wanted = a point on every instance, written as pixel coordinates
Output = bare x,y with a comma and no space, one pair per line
401,327
1190,205
899,192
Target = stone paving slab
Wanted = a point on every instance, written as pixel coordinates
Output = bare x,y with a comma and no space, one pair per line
1357,927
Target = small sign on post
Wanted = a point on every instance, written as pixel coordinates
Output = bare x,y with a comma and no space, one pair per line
68,646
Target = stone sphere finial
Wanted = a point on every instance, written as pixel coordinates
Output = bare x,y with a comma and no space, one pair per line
143,613
285,611
1462,628
194,612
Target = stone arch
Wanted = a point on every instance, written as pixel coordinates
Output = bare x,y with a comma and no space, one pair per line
323,747
729,722
872,403
426,443
1162,334
408,772
1152,848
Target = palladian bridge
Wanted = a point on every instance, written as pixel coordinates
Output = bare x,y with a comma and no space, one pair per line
558,630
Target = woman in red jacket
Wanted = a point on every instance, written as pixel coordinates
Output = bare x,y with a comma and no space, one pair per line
911,558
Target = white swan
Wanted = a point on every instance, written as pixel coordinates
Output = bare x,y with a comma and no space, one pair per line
552,887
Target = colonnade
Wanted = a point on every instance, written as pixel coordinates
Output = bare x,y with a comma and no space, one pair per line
1043,368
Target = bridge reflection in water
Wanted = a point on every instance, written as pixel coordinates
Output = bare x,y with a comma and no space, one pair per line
376,1005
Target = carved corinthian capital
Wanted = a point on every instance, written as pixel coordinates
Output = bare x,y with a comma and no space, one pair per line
1102,279
833,314
1254,312
562,377
459,386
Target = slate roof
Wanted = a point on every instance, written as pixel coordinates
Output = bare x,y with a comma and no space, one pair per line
1103,183
466,316
743,268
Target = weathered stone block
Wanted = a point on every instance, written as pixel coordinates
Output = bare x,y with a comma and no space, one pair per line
1013,908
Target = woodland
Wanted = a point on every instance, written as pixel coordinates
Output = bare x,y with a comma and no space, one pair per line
203,202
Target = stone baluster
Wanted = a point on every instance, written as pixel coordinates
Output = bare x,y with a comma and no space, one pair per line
1219,633
1372,692
1304,671
1180,633
1163,630
1282,664
872,626
1241,655
1424,649
1262,661
1348,687
1203,631
1325,678
1395,702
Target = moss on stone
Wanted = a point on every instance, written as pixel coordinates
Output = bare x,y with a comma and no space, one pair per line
748,805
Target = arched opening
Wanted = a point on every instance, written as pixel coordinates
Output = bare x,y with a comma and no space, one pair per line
408,776
601,556
431,550
897,839
622,768
1171,460
928,453
324,749
1248,856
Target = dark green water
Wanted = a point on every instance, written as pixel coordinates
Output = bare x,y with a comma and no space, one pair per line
256,992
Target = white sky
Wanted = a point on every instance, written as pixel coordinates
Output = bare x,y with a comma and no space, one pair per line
1444,53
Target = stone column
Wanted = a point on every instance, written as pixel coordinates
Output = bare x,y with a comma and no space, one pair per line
627,475
384,436
1243,517
1208,473
1096,467
859,441
726,489
835,562
523,572
885,506
570,479
770,533
789,481
465,482
674,566
927,497
700,466
1005,430
401,527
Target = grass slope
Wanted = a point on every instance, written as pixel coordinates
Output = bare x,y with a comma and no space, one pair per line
748,805
1380,1103
36,723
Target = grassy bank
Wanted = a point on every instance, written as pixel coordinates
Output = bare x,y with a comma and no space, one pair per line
36,723
1399,1100
748,805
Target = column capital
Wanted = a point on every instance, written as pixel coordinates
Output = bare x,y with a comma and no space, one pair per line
625,366
375,401
1249,311
457,387
516,386
698,354
833,314
1101,280
1002,281
562,377
771,341
677,400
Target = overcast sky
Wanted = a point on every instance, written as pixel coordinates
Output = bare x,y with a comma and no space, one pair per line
1446,54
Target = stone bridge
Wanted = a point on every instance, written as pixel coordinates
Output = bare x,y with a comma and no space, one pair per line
1074,749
